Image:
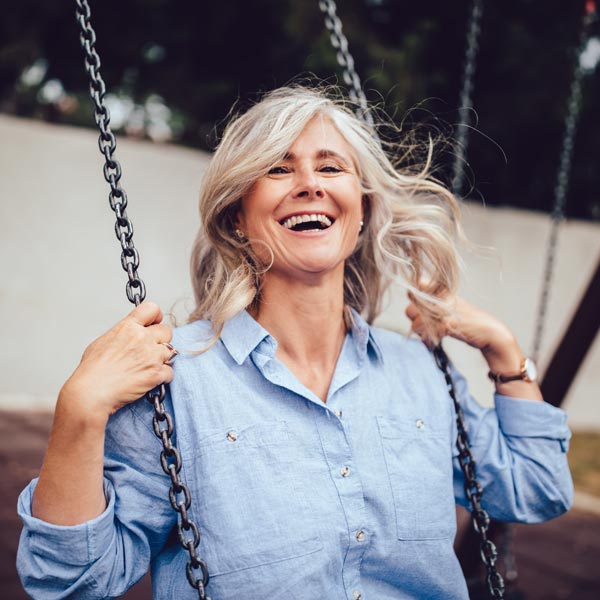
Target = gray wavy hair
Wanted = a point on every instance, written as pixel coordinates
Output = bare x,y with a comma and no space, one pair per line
411,220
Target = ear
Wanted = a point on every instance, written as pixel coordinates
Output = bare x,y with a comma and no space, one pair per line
238,219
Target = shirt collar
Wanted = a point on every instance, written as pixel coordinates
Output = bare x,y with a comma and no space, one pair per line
242,334
362,334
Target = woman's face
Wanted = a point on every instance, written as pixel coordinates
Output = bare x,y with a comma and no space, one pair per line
308,208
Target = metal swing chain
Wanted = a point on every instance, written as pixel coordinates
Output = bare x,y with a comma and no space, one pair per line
562,178
340,44
557,216
170,458
473,489
458,177
466,96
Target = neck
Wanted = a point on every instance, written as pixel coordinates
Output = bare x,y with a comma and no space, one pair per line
307,320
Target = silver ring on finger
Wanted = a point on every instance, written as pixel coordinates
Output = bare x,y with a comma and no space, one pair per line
173,350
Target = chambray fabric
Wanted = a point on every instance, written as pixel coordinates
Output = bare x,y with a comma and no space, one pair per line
297,499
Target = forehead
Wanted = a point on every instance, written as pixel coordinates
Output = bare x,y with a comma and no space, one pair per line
318,135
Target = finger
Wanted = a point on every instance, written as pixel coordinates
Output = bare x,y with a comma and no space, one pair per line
167,374
417,325
412,311
162,374
423,330
453,328
160,333
168,353
424,284
147,313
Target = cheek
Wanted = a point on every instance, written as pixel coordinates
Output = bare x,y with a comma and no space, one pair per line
250,212
258,205
356,207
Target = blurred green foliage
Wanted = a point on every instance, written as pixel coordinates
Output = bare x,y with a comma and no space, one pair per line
200,57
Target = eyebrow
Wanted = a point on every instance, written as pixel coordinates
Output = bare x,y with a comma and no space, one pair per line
323,153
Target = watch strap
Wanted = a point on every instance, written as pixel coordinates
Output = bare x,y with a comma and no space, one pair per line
527,372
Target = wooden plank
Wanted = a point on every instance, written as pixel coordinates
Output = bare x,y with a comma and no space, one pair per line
573,347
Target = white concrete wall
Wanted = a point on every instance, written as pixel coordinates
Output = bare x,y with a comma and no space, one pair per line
62,283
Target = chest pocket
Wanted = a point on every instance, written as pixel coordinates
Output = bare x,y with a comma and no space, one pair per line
418,457
248,498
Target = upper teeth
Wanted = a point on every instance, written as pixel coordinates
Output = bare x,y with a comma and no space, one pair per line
291,221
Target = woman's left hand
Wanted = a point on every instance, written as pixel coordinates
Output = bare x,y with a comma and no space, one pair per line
467,323
479,329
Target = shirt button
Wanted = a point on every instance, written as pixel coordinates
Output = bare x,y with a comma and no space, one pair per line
360,536
232,436
357,595
420,423
338,413
345,471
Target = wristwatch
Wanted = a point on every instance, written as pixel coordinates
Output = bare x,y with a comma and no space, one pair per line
527,373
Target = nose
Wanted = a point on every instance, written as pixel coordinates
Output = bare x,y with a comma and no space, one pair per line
308,185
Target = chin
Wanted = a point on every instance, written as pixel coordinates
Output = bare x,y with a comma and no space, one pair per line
318,268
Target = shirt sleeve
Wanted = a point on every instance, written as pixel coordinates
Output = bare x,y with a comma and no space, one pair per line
105,556
519,448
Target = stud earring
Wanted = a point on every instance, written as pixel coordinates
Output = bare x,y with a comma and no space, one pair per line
360,226
240,234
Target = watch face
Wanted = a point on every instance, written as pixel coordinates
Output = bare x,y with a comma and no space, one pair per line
530,370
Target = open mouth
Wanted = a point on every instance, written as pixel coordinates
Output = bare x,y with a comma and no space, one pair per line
316,222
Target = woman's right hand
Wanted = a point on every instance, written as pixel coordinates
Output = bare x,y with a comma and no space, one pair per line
118,368
121,365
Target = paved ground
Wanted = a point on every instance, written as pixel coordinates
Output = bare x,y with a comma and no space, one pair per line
556,560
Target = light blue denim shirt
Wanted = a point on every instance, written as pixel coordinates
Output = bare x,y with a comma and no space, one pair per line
297,499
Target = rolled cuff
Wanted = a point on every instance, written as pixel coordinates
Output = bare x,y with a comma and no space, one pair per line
529,418
80,544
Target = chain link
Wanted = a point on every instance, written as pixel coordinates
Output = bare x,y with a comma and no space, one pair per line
117,197
340,44
562,179
162,422
479,517
466,96
179,493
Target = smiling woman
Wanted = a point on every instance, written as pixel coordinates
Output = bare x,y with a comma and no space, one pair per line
319,450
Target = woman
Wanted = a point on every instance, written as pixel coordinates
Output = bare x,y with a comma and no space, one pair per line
320,451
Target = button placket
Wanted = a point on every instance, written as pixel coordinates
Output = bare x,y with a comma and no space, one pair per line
335,436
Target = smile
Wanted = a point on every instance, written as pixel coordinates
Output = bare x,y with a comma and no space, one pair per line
313,222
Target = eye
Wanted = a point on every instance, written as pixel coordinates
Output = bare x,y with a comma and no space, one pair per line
278,170
330,169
